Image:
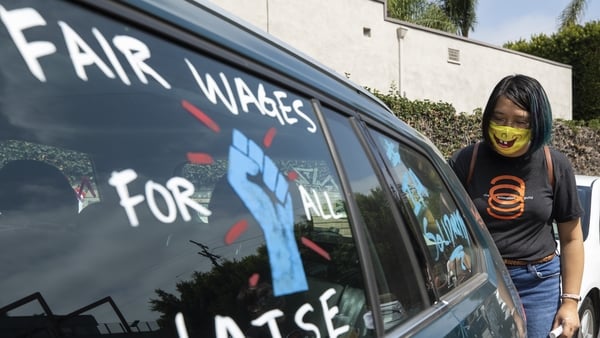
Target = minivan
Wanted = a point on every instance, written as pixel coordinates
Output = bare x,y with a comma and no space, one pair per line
167,170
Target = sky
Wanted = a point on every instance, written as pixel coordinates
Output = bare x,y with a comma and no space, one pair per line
510,20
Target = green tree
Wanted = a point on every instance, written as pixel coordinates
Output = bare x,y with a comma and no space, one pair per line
578,46
572,14
421,12
452,16
462,14
210,293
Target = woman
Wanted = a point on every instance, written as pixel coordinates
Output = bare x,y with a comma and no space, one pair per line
519,187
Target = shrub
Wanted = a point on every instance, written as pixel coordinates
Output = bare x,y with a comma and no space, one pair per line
450,131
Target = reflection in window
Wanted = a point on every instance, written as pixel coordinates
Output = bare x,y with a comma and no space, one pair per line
76,167
400,290
433,213
585,198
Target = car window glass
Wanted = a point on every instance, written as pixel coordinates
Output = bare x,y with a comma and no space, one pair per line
400,288
162,191
585,198
432,212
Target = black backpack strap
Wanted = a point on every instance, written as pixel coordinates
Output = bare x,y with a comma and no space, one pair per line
472,164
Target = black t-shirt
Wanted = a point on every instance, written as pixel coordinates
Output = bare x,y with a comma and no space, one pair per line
516,200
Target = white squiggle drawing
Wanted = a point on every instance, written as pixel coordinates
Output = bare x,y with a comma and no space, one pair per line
446,231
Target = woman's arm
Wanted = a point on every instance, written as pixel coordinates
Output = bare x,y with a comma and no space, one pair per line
571,263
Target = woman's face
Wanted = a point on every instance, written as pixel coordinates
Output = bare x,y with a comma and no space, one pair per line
510,128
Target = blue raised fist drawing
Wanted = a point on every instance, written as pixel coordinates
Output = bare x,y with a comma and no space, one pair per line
275,215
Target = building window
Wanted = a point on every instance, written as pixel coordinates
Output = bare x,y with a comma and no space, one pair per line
366,32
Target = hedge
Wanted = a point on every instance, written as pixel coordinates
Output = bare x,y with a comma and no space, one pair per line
450,131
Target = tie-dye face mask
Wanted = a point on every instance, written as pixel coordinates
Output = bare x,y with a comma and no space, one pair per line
508,140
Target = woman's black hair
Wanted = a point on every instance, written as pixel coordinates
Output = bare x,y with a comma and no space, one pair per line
527,93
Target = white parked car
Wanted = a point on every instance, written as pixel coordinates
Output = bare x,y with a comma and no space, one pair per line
588,188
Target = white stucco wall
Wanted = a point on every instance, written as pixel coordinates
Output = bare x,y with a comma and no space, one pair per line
467,85
354,38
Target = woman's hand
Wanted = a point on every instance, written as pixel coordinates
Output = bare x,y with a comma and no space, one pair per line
568,317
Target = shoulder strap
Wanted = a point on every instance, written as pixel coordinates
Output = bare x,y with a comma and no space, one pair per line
472,164
549,166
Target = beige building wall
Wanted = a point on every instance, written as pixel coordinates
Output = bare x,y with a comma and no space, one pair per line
356,39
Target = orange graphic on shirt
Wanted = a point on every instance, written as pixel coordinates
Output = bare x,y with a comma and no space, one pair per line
507,197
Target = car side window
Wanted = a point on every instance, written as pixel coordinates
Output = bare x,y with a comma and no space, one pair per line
431,212
200,196
400,286
585,198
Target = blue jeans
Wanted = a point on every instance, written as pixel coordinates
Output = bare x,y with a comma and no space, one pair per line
539,288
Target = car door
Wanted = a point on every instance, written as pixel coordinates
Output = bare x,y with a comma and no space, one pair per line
456,289
462,274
